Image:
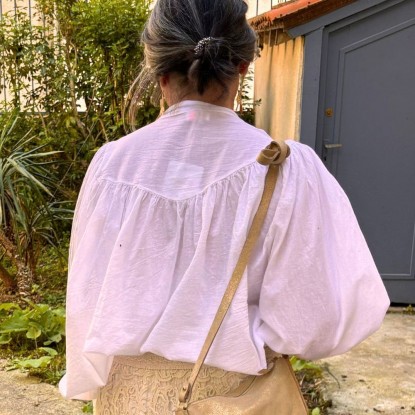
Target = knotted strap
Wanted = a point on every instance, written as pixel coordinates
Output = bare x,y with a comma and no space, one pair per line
273,155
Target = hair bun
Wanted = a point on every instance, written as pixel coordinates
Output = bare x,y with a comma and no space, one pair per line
203,41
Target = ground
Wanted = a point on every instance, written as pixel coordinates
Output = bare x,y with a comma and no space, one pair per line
378,376
23,395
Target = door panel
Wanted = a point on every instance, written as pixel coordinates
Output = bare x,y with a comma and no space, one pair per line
369,109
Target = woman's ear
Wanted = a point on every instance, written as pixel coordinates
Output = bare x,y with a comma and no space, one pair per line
164,80
243,68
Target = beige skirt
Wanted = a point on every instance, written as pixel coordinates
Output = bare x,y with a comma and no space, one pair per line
150,384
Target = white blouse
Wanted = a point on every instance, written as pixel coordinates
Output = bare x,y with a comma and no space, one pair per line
159,224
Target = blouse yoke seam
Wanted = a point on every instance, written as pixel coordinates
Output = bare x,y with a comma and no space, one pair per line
200,193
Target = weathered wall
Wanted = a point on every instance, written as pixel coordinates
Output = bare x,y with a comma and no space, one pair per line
278,83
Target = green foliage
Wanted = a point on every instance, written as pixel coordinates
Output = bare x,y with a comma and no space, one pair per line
309,375
45,363
108,55
246,104
28,214
67,72
37,324
409,310
16,53
88,408
36,333
41,362
52,269
22,165
301,365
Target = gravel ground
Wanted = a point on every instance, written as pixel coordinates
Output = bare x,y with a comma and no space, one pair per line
377,376
24,395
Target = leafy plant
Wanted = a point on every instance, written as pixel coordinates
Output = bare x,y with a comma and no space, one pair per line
44,362
109,53
37,324
37,334
41,362
27,217
66,70
301,364
409,310
246,105
309,376
52,269
88,408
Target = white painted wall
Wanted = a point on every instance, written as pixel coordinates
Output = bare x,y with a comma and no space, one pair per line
262,6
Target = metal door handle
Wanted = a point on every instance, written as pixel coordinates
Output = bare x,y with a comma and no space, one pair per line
332,146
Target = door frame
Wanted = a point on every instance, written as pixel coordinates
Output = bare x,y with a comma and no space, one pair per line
315,62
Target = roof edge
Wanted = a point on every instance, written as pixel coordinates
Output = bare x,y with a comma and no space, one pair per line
287,16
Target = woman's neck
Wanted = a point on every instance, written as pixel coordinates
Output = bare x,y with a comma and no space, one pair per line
214,93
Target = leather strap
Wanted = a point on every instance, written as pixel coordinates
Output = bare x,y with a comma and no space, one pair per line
273,155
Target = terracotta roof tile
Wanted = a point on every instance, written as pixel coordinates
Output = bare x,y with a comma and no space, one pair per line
295,13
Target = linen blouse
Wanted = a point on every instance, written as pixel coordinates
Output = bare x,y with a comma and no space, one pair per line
159,224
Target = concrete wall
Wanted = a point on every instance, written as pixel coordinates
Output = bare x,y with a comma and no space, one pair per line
278,83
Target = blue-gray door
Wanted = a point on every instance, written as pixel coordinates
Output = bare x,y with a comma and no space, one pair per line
367,133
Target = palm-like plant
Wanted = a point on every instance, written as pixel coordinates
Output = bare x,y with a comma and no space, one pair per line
26,211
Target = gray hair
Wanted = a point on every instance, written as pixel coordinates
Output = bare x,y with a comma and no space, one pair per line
203,40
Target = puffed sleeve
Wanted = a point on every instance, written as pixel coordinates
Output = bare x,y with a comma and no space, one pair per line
321,293
85,202
81,288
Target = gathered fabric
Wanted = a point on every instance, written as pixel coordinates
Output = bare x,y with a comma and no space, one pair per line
160,222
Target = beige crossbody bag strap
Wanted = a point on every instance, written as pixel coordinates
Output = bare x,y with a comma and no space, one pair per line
273,155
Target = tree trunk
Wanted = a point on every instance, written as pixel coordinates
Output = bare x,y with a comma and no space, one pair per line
24,277
25,280
8,281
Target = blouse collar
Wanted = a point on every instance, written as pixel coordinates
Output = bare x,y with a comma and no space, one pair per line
186,105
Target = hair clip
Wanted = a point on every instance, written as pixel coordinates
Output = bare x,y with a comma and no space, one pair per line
201,45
